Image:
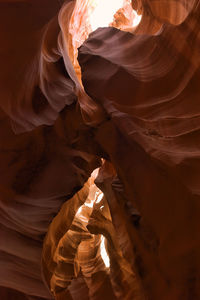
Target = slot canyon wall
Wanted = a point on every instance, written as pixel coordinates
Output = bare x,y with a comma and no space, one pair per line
127,105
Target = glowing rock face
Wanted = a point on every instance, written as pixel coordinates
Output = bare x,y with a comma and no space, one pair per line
148,89
89,15
80,26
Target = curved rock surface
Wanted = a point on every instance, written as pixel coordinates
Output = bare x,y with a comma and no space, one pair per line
39,172
40,169
138,110
148,86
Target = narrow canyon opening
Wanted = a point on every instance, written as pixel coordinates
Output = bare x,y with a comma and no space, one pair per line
89,15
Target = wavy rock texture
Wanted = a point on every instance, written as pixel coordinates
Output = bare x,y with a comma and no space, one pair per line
39,169
39,172
138,109
149,87
72,249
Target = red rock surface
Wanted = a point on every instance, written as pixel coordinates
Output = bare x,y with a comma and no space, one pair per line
149,87
138,110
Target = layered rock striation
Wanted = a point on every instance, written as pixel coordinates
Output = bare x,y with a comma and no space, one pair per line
136,106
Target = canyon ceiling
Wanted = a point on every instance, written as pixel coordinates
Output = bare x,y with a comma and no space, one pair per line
99,151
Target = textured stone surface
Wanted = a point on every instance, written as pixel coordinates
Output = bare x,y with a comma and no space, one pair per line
148,86
137,109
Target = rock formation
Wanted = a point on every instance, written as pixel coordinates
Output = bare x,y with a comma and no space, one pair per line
128,106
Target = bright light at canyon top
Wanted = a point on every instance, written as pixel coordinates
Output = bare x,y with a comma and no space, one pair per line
104,11
88,15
